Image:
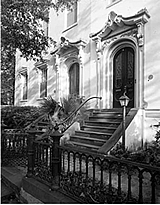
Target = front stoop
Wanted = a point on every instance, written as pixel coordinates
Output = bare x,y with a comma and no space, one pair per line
44,194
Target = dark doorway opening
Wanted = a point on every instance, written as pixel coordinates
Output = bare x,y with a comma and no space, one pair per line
123,75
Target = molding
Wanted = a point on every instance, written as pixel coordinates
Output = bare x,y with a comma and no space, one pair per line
68,51
118,23
23,71
152,113
70,27
66,44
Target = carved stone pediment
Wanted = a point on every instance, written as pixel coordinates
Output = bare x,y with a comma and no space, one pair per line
117,24
66,47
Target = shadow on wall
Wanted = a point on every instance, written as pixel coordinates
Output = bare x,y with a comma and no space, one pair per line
152,60
134,135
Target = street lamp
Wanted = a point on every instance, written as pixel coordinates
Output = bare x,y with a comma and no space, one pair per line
124,100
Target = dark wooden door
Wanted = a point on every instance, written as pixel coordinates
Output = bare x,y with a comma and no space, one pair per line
123,75
74,79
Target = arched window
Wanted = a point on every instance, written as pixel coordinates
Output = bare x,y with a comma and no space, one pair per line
74,79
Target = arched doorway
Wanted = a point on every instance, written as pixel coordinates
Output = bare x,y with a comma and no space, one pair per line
74,79
123,75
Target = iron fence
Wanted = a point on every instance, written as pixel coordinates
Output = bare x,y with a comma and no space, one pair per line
105,179
87,176
95,178
14,147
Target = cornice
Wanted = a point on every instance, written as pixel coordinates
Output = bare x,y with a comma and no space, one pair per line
118,22
66,44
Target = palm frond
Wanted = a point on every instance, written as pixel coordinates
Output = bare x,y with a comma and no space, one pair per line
48,105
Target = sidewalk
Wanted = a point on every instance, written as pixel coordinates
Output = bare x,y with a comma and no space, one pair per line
30,190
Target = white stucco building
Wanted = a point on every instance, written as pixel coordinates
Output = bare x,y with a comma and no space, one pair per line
102,47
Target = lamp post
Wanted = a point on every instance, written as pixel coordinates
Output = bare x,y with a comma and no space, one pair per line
124,100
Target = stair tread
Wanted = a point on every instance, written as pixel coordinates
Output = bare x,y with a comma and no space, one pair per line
98,127
92,132
108,112
89,138
84,145
111,122
107,117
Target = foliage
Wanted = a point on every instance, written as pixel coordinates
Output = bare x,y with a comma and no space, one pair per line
22,25
48,105
19,117
80,186
59,112
22,30
149,155
7,78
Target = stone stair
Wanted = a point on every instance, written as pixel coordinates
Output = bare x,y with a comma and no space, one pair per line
95,132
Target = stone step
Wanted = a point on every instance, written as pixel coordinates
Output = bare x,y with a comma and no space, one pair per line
93,134
98,129
107,114
102,123
105,119
111,110
88,140
84,145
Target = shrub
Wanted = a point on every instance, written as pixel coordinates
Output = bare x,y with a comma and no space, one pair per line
150,155
16,117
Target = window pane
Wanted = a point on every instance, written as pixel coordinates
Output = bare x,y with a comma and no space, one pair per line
43,84
25,86
72,16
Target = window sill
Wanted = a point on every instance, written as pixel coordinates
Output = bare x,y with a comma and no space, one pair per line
39,99
113,3
24,100
68,28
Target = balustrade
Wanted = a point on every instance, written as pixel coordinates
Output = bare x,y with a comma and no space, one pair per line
92,178
14,147
104,179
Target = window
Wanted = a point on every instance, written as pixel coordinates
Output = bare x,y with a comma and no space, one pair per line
43,82
24,77
46,22
74,79
72,15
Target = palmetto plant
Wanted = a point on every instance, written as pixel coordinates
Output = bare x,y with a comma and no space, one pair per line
48,105
52,108
57,113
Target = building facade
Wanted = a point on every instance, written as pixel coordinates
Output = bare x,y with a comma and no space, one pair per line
104,47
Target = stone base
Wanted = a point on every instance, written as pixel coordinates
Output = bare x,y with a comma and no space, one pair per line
36,192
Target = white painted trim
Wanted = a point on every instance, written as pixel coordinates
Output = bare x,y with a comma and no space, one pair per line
108,56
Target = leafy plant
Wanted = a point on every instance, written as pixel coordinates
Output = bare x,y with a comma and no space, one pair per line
22,30
19,117
149,155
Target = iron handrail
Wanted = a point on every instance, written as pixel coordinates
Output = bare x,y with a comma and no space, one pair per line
75,111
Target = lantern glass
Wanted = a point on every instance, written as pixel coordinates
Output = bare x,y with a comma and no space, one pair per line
124,100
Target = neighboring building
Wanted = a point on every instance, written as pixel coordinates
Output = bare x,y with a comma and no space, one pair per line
102,46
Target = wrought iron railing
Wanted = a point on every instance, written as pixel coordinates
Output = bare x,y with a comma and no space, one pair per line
42,170
92,178
105,179
14,147
69,120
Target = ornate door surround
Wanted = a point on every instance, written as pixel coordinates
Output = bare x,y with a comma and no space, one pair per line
120,32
